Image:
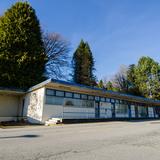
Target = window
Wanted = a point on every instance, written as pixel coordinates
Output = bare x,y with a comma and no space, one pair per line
117,101
133,112
87,104
121,101
84,96
97,98
60,93
90,104
150,112
78,103
125,102
112,100
69,102
102,99
107,99
76,95
68,94
73,102
50,92
142,111
105,104
121,109
54,100
91,97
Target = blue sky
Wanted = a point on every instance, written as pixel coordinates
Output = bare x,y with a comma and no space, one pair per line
118,31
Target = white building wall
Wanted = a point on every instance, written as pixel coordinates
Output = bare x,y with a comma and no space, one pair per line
67,112
33,106
78,112
9,107
38,111
52,111
122,115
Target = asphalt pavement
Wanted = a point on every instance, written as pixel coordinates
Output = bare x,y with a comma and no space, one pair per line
90,141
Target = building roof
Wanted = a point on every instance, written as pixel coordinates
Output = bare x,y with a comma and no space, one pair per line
94,90
74,87
12,91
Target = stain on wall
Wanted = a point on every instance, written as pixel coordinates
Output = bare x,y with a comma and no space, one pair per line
35,105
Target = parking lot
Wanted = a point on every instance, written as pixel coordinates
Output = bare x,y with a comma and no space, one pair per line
91,141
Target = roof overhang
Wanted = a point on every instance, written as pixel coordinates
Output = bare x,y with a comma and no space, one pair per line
73,87
100,92
15,92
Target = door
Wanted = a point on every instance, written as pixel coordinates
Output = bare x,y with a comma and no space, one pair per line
136,111
97,113
157,112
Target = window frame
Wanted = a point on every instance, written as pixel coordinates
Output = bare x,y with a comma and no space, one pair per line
104,99
69,93
92,99
84,98
59,95
77,94
48,89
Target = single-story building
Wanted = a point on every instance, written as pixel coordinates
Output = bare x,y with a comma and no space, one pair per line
65,100
10,104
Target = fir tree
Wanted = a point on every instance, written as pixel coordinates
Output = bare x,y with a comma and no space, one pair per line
109,86
22,57
131,76
83,65
101,84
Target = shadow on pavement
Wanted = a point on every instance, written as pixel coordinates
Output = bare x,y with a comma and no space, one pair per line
22,136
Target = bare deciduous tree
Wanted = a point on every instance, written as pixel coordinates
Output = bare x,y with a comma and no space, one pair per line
120,80
57,50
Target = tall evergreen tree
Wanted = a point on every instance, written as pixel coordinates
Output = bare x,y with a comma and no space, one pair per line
109,86
147,77
101,84
131,76
22,57
83,65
